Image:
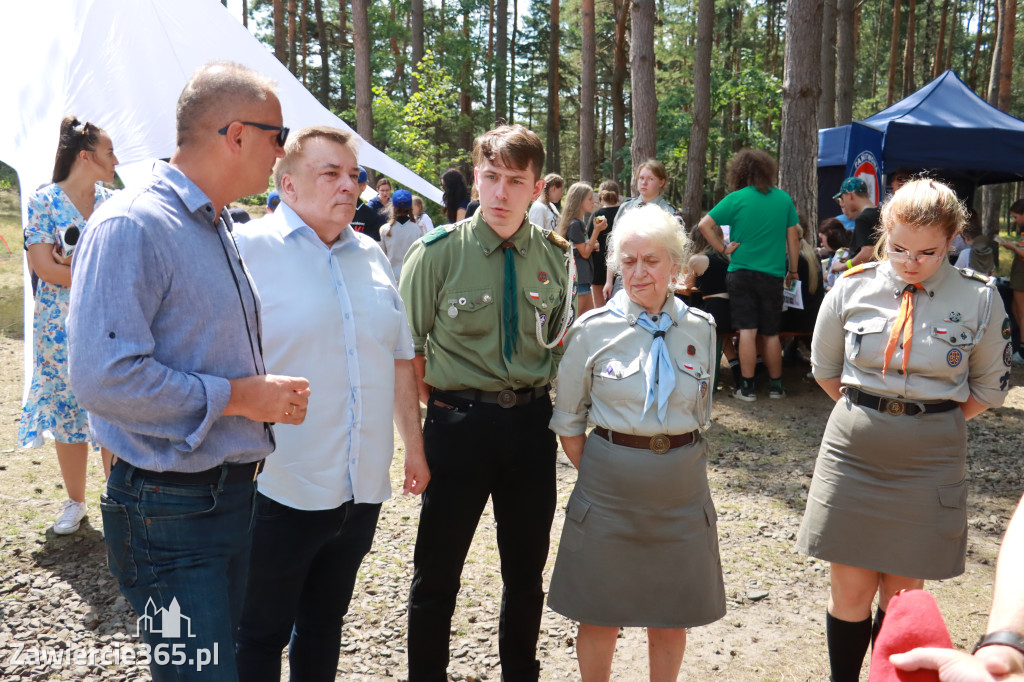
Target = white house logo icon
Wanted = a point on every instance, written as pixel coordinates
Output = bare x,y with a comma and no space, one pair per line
165,622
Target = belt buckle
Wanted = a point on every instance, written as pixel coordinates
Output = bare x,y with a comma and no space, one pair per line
895,408
660,444
507,398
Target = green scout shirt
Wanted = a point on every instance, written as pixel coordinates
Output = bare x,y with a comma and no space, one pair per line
759,223
453,282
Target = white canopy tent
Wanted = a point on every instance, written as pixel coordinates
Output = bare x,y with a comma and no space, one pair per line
121,65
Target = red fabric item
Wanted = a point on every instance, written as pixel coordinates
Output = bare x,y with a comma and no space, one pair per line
912,620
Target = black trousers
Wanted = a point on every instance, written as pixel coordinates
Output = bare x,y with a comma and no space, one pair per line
476,451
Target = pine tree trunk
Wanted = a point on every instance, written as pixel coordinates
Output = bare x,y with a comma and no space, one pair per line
645,99
245,13
417,40
894,51
827,105
554,156
343,49
846,49
588,91
501,63
954,25
465,97
398,53
1006,54
798,152
940,48
280,49
697,152
490,58
908,51
305,39
293,63
621,8
992,194
323,37
512,64
364,92
973,79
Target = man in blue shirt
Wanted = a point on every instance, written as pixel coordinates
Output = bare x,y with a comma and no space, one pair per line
332,313
164,345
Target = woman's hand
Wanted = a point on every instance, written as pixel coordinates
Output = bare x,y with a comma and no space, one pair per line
58,255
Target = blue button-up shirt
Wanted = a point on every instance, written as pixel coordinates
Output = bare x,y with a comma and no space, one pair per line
332,314
162,315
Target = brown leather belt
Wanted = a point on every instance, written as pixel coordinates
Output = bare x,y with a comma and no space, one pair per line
658,444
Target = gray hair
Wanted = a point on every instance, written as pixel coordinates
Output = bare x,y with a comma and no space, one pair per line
655,224
221,88
295,147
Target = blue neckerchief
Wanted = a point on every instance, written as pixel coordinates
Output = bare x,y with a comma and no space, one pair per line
661,377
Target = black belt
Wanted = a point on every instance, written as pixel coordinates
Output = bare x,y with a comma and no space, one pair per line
897,407
236,473
658,444
505,398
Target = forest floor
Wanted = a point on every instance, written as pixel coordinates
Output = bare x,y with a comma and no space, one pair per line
56,592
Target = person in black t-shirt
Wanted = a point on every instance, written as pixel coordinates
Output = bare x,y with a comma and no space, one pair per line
856,204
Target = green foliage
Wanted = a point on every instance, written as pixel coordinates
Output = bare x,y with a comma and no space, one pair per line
418,131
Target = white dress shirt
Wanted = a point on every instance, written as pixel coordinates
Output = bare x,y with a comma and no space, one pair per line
332,315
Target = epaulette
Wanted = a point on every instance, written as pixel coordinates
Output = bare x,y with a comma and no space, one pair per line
593,312
437,234
974,274
863,267
702,313
558,240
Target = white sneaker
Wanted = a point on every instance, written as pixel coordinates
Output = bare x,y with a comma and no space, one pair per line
1017,359
71,515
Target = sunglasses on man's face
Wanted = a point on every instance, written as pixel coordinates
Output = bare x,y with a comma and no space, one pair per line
282,132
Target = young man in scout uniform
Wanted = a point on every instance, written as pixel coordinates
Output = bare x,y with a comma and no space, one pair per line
488,299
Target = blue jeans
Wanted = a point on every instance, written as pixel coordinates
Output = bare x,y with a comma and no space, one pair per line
301,575
181,549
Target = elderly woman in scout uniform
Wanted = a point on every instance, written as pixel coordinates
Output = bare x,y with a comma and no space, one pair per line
909,348
640,543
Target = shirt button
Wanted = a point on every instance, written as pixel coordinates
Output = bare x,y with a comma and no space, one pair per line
900,372
347,316
351,351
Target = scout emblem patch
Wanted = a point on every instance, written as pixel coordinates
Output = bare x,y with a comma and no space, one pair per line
954,357
1006,329
691,350
1008,354
953,317
703,388
543,277
543,318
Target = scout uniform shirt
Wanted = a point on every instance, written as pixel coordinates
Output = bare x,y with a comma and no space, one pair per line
453,285
602,374
960,345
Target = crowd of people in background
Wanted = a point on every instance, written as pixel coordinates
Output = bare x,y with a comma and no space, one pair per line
243,378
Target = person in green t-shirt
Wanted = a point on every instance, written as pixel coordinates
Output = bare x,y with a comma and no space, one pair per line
762,224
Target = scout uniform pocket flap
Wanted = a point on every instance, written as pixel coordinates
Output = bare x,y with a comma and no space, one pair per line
953,334
543,298
615,369
577,508
469,300
871,325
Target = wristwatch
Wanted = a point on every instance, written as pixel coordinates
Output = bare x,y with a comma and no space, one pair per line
1003,637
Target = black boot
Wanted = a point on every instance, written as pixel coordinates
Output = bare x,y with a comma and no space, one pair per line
847,644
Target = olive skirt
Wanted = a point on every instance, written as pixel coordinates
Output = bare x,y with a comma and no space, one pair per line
889,494
639,546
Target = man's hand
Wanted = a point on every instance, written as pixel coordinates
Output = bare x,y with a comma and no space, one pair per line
417,473
959,666
269,398
729,248
790,277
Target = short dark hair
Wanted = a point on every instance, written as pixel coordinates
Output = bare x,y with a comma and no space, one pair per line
75,137
1017,207
752,167
512,146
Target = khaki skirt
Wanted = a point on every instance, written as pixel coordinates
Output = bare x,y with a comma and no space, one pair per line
889,494
639,546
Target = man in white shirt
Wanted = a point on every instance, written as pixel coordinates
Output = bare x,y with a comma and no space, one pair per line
330,306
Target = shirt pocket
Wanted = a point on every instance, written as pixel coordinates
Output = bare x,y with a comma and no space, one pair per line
865,337
616,381
955,341
544,299
387,316
694,386
472,311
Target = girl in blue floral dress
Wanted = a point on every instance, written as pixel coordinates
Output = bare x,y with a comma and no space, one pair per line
56,212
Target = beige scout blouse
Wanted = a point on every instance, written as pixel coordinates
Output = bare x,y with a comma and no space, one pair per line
960,343
602,372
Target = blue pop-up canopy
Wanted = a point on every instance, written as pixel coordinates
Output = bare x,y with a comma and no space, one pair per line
944,127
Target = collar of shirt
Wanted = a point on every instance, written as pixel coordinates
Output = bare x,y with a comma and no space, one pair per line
631,310
292,223
491,242
930,285
189,193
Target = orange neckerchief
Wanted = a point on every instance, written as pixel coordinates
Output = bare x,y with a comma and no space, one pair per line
905,323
